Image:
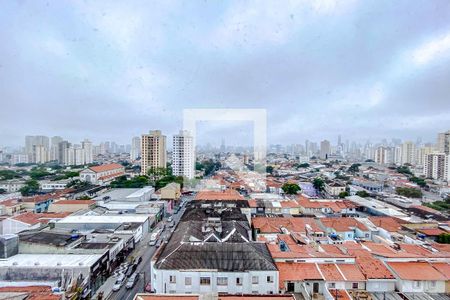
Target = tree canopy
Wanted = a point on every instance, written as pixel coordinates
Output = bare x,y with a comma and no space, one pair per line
409,192
290,188
318,183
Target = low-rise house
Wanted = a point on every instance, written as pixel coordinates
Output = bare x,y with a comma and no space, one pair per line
11,207
419,277
345,229
369,185
171,191
71,205
334,188
12,185
206,237
29,220
54,185
321,207
102,174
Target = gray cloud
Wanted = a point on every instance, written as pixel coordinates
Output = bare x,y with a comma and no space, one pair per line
105,70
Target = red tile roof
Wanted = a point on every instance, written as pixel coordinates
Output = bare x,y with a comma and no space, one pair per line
219,195
297,272
351,272
443,268
82,202
340,294
330,272
106,167
274,225
416,271
34,292
372,268
36,218
387,223
343,224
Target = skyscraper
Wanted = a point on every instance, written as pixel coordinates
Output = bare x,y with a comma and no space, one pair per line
443,142
54,147
325,149
88,151
408,153
436,166
183,158
135,150
153,151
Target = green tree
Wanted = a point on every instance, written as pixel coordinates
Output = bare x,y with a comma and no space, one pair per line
409,192
269,169
156,173
343,194
2,191
404,170
363,194
354,168
168,179
31,187
8,174
290,188
318,183
419,181
38,173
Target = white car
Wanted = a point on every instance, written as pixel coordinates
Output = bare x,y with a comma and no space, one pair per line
170,219
131,281
119,282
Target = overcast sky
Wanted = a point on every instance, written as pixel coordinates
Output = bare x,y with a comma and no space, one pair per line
110,70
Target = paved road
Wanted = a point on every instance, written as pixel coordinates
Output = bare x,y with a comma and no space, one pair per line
146,252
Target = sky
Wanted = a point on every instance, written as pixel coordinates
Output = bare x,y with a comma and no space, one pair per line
110,70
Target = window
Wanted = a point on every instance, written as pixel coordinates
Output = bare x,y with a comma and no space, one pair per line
172,279
222,281
187,280
205,281
270,279
238,281
354,285
255,279
433,283
332,285
417,284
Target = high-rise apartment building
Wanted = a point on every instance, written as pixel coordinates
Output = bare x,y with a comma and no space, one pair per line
135,150
443,142
436,166
408,153
54,142
37,140
153,151
383,155
88,151
183,157
325,149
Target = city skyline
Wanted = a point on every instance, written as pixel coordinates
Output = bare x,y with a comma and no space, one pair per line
322,67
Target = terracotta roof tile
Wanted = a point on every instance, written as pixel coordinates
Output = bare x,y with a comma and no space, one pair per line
106,167
416,271
219,195
297,272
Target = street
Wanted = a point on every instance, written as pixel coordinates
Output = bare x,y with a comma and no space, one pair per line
146,252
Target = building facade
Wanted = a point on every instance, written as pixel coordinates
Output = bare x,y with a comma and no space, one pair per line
183,157
153,151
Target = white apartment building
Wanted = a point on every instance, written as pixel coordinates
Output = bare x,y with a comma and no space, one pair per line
443,142
436,166
40,154
408,153
383,155
54,147
153,151
135,151
88,150
183,156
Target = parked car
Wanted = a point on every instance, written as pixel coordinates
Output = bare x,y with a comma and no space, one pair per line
158,243
139,260
148,287
152,242
119,282
131,270
132,281
172,224
170,219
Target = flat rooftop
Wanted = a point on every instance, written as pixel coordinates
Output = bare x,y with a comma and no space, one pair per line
50,260
105,219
